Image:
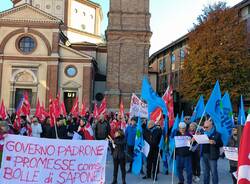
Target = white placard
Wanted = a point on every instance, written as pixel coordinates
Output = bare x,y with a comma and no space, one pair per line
40,161
145,148
138,107
182,141
231,153
235,175
201,139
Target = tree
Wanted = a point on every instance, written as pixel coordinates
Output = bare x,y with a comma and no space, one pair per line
217,50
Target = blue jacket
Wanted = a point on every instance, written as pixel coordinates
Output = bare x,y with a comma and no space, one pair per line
130,135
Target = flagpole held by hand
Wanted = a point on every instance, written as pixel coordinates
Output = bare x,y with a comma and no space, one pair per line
157,162
55,127
173,168
203,114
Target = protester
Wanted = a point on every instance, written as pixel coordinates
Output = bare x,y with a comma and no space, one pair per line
152,134
114,126
36,128
183,156
102,128
25,129
85,130
233,142
195,154
130,134
118,151
187,121
211,153
46,129
61,129
72,126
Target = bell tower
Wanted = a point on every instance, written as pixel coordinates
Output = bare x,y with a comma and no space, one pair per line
128,43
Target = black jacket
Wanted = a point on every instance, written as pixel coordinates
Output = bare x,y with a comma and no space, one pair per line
153,137
47,131
102,130
213,150
119,150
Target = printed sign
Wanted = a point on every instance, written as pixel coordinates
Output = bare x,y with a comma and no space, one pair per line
50,161
231,153
182,141
138,107
201,139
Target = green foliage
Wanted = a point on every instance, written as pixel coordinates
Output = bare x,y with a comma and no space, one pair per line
217,50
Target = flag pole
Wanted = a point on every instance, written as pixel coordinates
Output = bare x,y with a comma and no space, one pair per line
55,128
173,168
157,162
203,114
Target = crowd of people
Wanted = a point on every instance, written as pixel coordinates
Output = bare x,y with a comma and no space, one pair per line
121,133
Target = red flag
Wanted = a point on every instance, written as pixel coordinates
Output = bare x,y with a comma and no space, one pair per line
25,106
57,108
17,121
75,108
88,132
95,112
122,109
169,100
3,112
63,109
38,109
83,110
244,155
156,115
44,114
103,107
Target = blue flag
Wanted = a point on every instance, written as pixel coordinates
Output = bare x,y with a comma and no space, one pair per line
139,143
227,115
214,109
198,110
150,96
241,114
182,116
176,125
153,100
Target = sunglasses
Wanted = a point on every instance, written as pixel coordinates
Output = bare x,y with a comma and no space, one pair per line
205,127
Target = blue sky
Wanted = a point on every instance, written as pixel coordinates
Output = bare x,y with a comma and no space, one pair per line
170,19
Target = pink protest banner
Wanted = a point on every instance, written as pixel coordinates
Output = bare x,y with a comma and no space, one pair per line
53,161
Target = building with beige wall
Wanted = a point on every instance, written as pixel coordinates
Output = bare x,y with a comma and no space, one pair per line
52,46
81,18
34,58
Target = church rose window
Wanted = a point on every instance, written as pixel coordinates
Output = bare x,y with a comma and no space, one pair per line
71,71
26,44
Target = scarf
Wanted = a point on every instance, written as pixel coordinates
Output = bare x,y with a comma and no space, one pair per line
210,132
